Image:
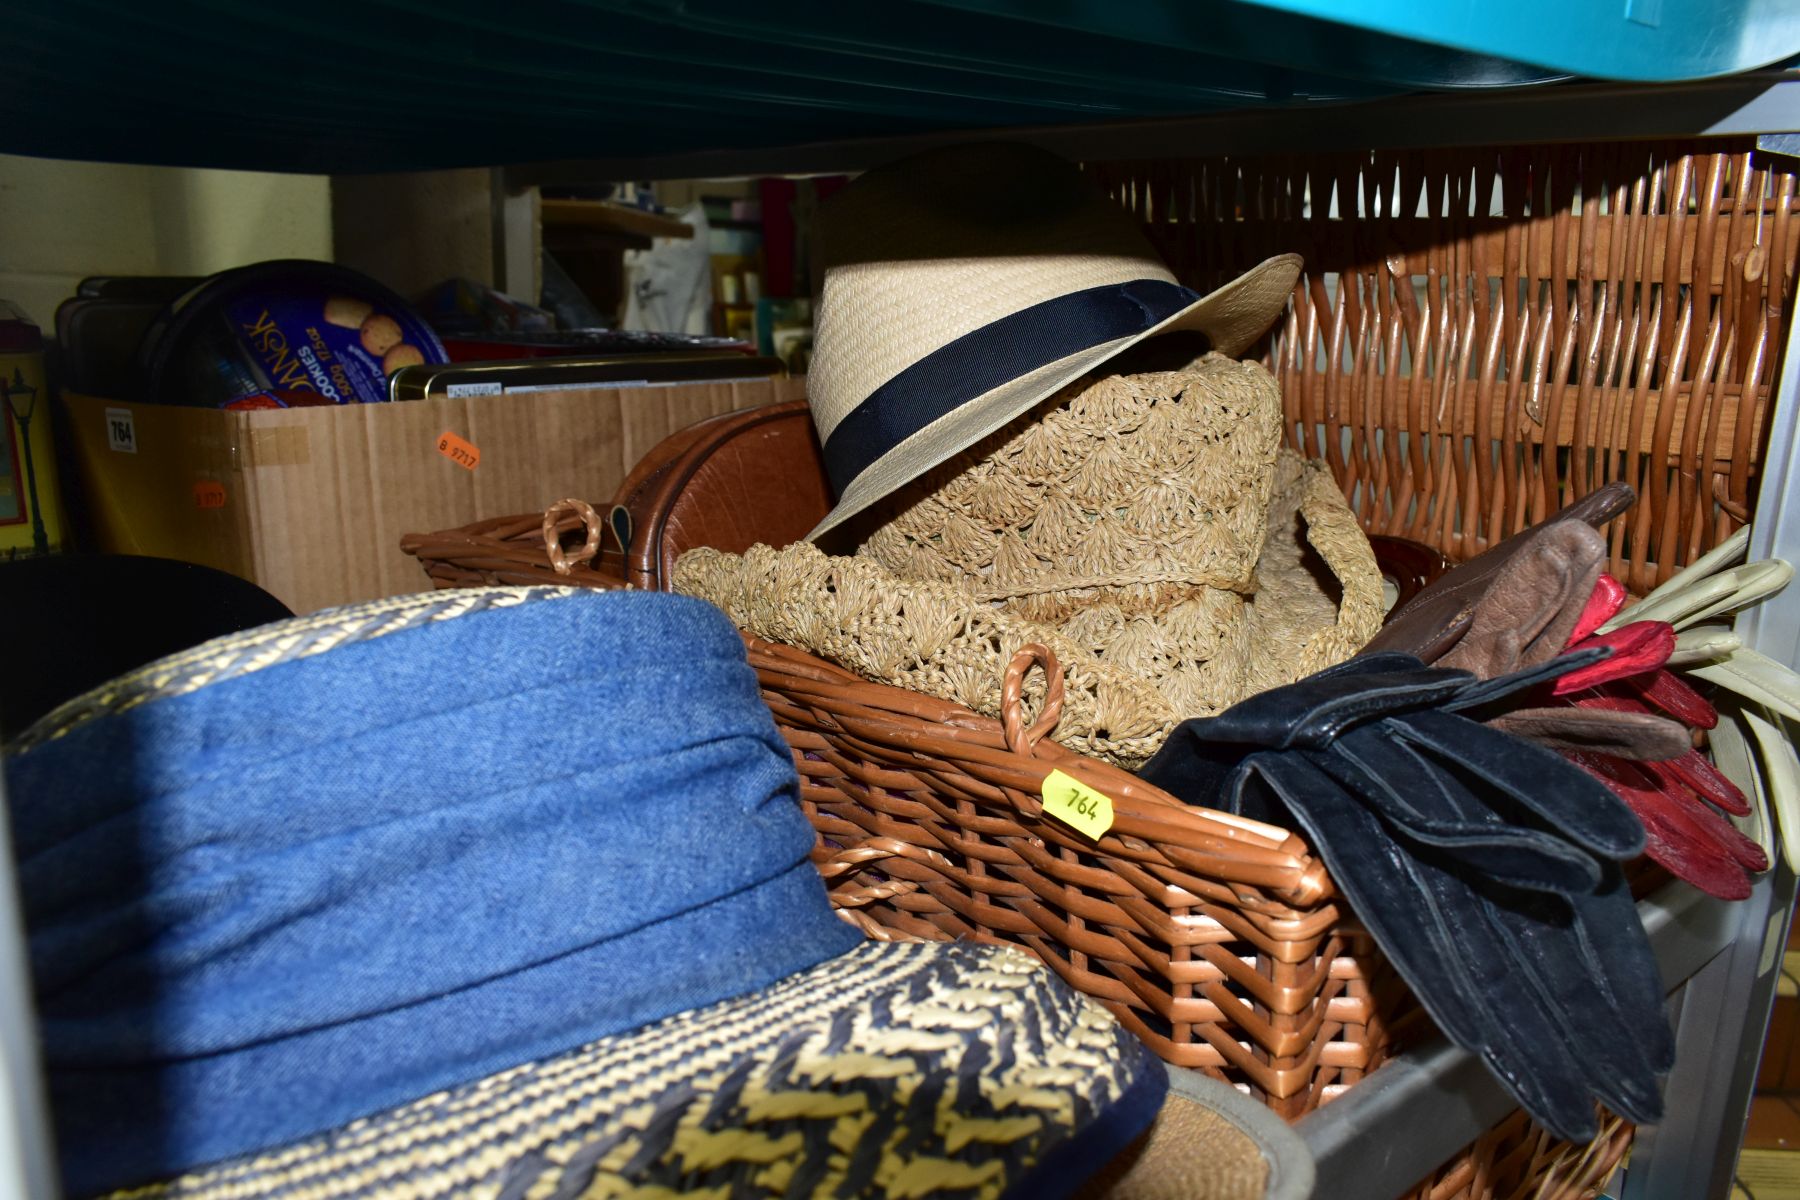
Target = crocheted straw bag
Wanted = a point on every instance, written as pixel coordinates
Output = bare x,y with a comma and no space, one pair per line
1147,528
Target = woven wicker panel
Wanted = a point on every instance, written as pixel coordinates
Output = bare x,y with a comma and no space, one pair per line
1484,334
1516,1160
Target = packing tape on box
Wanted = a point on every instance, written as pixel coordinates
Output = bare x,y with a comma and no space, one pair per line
284,446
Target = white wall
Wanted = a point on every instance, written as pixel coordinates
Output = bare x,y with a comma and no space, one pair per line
62,221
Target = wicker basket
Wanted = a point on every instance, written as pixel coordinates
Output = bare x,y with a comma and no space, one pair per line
1577,314
1516,1160
1214,938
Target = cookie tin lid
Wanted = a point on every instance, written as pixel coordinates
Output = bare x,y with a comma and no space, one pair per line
283,325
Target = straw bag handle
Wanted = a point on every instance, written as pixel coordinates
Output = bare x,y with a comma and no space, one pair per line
1021,739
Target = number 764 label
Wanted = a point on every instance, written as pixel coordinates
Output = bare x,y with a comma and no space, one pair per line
1075,803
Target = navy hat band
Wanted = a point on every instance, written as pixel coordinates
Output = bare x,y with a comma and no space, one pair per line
987,358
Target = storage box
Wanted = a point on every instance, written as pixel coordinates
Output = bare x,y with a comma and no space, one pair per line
310,503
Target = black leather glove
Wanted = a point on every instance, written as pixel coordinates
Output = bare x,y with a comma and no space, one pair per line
1484,866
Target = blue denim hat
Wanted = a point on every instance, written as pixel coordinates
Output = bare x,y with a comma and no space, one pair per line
506,891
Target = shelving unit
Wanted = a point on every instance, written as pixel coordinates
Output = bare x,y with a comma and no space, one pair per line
1724,957
634,227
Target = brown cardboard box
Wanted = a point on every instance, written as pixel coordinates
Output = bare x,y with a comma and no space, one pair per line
311,503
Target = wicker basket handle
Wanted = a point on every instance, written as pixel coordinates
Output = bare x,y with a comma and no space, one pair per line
1019,739
563,563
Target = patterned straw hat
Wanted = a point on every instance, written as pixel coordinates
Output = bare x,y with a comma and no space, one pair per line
507,892
1150,529
964,285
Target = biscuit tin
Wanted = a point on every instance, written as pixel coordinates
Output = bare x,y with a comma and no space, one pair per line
289,333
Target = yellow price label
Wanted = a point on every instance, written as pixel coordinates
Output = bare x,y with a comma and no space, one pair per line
1075,803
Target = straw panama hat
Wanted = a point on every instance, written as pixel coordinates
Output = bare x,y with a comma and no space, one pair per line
965,285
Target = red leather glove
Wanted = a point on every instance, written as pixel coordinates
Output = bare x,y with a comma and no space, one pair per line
1675,798
1681,834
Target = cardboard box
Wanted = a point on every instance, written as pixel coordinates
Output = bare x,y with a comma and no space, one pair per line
311,503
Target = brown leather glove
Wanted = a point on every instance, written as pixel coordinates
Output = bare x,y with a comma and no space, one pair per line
1641,737
1516,606
1437,618
1532,601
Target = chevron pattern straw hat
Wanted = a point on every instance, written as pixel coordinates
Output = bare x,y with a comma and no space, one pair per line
507,893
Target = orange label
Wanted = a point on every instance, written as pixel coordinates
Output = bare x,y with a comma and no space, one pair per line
458,450
209,493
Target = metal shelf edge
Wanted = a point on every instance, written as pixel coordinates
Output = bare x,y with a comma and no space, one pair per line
1445,1098
1752,103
